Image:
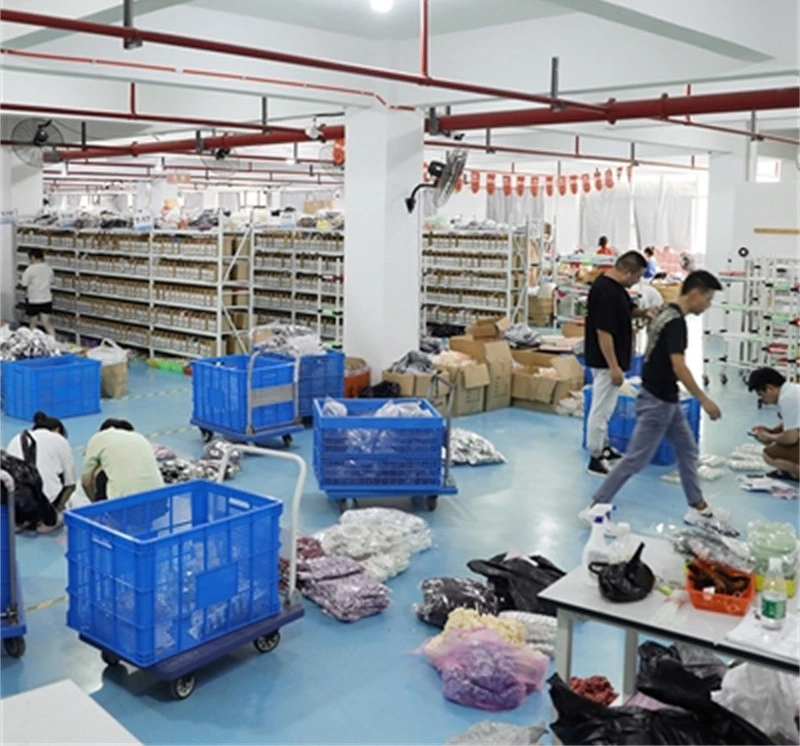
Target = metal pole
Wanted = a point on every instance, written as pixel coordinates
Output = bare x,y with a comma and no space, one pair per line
132,41
423,38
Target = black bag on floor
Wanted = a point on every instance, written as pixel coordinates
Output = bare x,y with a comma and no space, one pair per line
382,390
517,582
441,595
624,581
29,499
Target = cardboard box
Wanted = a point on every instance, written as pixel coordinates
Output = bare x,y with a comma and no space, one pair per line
419,385
531,390
572,329
496,355
240,272
489,328
471,382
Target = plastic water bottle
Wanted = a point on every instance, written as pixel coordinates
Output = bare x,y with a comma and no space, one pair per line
596,549
773,596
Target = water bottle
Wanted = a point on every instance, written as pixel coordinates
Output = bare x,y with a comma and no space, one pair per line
773,596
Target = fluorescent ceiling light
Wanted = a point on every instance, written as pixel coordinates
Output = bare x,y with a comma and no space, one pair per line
382,6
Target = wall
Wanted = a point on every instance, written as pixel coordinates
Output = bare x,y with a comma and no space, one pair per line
758,205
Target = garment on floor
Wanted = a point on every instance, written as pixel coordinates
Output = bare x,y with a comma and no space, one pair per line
540,630
480,669
25,343
174,469
490,733
441,595
307,548
776,487
470,448
517,581
342,588
413,362
764,697
595,688
522,336
511,630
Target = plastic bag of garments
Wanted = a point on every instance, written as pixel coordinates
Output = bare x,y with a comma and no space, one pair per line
624,581
704,665
480,669
470,448
517,581
540,630
441,595
701,721
768,699
490,733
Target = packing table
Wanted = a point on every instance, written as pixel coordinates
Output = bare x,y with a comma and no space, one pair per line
574,598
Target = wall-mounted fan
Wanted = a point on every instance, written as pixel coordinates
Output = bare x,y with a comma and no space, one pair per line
332,157
222,160
444,175
36,142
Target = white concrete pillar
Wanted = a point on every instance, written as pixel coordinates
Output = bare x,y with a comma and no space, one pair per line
21,194
725,172
382,241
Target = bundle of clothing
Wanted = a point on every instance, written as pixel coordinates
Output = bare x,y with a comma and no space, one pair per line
696,544
25,343
522,336
307,548
470,448
292,339
432,345
382,540
174,469
778,488
491,733
748,457
413,362
342,588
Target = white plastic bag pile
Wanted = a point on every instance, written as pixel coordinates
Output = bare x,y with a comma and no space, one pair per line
572,405
706,469
26,343
383,540
748,457
293,340
470,448
540,630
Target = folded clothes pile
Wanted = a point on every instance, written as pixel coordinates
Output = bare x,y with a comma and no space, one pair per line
307,548
342,588
522,336
413,362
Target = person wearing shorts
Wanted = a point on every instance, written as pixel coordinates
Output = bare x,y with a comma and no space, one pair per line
37,279
782,442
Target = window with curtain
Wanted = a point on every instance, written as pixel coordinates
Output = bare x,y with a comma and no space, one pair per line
664,212
606,213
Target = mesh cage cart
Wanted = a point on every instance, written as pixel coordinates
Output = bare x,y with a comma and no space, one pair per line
363,456
246,398
173,579
12,628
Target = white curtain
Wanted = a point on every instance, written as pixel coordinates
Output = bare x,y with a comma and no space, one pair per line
663,213
606,213
515,210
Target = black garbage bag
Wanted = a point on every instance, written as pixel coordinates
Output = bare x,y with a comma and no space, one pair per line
518,581
624,581
382,390
701,663
581,721
441,595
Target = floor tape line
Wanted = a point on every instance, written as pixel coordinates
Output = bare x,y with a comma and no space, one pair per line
45,604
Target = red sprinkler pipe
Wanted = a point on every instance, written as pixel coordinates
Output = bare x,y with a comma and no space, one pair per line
237,50
424,35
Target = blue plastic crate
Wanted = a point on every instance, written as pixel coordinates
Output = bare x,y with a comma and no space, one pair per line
637,366
161,572
383,454
623,421
318,376
66,386
219,392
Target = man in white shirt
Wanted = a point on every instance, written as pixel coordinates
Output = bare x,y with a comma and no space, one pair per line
37,279
782,441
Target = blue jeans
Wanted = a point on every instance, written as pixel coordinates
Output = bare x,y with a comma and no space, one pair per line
656,419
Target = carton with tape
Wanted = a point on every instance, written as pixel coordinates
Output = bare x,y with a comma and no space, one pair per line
533,390
489,328
495,354
470,382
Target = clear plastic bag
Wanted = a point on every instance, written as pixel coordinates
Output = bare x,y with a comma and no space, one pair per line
333,408
490,733
470,448
441,595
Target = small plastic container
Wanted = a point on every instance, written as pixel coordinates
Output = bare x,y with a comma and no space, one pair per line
720,602
766,540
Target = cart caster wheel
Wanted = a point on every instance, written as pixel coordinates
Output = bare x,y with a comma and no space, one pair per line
723,379
15,646
342,506
267,643
705,381
182,687
430,501
206,435
287,440
109,658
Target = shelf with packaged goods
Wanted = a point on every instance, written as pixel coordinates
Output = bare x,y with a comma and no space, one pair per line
187,306
104,317
432,269
468,306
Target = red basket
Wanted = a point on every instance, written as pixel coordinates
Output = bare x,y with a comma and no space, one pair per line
720,602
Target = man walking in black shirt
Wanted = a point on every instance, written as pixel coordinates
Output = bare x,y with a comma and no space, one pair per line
658,410
608,347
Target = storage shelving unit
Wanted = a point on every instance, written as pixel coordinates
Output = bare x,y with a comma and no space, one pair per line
299,279
760,316
471,274
183,292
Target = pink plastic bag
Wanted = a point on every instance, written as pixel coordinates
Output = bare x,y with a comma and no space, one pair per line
480,669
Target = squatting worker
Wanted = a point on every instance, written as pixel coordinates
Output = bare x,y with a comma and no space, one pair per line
608,349
658,410
782,442
119,462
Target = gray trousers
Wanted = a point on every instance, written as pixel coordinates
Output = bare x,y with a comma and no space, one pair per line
656,419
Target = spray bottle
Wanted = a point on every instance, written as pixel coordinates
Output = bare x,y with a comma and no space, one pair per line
596,549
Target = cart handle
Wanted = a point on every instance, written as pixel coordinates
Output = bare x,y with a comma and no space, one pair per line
302,470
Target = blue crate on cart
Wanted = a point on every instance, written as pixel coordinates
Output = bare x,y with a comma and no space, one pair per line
66,386
623,421
161,572
637,365
219,392
382,454
318,376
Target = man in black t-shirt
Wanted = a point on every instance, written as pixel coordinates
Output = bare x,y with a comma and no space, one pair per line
658,410
608,346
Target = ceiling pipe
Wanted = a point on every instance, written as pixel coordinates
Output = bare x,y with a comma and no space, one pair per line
424,35
237,50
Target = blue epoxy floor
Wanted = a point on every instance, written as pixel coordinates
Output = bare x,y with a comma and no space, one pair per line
330,682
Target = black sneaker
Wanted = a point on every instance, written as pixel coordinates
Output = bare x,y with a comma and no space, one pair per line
611,454
597,467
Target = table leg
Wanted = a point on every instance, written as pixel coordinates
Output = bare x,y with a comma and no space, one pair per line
563,651
630,663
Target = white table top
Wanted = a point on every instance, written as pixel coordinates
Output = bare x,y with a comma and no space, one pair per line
72,717
573,593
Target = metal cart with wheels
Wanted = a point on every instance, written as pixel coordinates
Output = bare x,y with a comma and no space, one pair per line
12,612
246,398
363,456
212,589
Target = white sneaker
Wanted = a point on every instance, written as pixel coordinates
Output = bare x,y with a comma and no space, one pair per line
695,517
585,515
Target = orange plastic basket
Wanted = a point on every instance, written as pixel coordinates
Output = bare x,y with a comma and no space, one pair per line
720,602
355,384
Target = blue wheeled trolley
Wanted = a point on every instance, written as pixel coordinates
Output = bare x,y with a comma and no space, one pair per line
363,456
246,398
12,627
175,578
